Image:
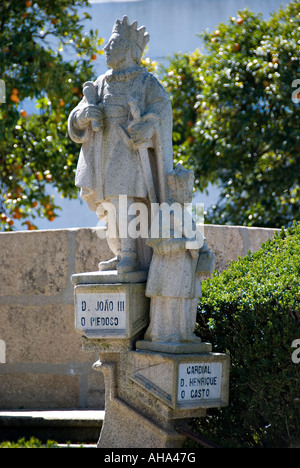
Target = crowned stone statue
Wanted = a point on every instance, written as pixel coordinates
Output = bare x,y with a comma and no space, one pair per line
124,126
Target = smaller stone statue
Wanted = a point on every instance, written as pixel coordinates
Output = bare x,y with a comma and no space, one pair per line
174,283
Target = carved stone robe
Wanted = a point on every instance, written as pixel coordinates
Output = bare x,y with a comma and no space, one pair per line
108,165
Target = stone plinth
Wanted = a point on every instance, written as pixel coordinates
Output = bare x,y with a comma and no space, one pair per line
147,393
135,417
103,302
183,381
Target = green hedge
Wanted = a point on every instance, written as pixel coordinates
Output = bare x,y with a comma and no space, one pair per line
31,443
252,312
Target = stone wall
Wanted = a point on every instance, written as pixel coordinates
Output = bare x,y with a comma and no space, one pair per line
42,364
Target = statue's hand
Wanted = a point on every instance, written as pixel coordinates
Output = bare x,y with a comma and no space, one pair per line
141,132
87,114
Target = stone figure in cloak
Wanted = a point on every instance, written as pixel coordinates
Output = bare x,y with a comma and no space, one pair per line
124,125
180,257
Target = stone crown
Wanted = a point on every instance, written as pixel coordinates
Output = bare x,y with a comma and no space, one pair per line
132,32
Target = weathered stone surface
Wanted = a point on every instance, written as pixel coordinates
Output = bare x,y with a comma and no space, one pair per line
34,263
89,248
230,242
38,390
40,334
174,348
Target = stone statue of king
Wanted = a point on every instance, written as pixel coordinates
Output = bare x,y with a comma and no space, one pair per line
124,126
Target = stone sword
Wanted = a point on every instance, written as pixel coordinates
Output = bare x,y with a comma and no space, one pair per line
143,152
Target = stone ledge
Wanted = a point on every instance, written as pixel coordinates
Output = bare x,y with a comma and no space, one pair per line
61,426
174,348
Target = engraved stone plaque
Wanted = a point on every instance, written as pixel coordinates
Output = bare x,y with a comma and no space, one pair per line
199,381
183,381
103,313
110,310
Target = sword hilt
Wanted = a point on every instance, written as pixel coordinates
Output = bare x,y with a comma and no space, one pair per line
135,110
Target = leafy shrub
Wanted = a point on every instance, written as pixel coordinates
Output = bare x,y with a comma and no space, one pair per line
252,312
31,443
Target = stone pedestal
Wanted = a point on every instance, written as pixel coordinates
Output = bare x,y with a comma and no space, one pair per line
103,302
183,381
149,386
144,397
133,418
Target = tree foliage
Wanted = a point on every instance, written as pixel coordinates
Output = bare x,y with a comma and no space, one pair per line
252,312
235,122
45,56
